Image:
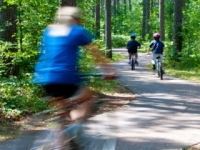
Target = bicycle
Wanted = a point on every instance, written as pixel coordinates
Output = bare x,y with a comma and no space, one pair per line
69,135
133,62
159,68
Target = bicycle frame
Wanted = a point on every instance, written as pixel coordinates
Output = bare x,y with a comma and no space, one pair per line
66,135
133,62
159,67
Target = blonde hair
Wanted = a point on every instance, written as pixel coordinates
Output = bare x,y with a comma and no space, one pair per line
67,15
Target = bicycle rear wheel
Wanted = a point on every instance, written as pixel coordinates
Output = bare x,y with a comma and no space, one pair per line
132,64
161,72
158,69
100,134
94,134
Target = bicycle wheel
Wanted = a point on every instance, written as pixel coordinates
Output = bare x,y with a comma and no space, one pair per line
99,134
158,69
132,64
161,72
93,134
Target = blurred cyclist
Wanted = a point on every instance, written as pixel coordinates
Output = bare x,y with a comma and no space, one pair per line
56,68
157,47
132,47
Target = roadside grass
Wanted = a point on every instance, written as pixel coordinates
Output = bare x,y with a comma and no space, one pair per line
117,57
184,74
192,75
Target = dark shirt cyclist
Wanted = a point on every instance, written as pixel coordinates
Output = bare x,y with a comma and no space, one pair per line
132,47
157,47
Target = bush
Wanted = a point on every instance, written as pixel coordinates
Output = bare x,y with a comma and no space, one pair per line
19,97
119,40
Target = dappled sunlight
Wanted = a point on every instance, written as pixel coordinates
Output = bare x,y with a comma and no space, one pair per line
165,112
120,95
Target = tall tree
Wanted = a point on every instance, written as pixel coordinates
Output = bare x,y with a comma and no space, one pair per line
147,16
115,7
8,24
68,2
178,17
108,28
130,5
102,5
115,14
143,19
161,19
97,18
125,7
118,3
169,17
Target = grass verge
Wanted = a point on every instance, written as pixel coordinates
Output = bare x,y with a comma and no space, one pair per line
192,75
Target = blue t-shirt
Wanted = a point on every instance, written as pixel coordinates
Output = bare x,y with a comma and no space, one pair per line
59,54
157,46
133,46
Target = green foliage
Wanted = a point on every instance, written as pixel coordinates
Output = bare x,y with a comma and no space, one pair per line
104,85
32,18
188,59
19,97
119,40
118,57
88,13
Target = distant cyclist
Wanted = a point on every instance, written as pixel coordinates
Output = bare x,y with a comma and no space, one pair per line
132,47
157,47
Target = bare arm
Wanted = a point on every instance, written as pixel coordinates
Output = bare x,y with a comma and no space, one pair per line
148,51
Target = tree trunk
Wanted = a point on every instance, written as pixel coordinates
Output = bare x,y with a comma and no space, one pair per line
68,2
8,24
169,19
8,18
97,17
125,5
161,19
108,28
118,2
143,19
147,16
130,5
115,15
178,16
102,5
115,7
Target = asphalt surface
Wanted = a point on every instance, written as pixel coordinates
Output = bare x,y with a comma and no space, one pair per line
164,116
166,113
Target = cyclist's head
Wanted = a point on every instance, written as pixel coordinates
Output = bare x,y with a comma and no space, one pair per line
133,36
68,15
156,36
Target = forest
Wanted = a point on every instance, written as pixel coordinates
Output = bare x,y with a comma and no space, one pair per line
112,21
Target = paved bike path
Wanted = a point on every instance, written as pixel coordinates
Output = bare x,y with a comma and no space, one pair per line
165,114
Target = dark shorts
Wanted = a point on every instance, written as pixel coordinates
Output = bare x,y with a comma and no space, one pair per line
56,90
132,51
